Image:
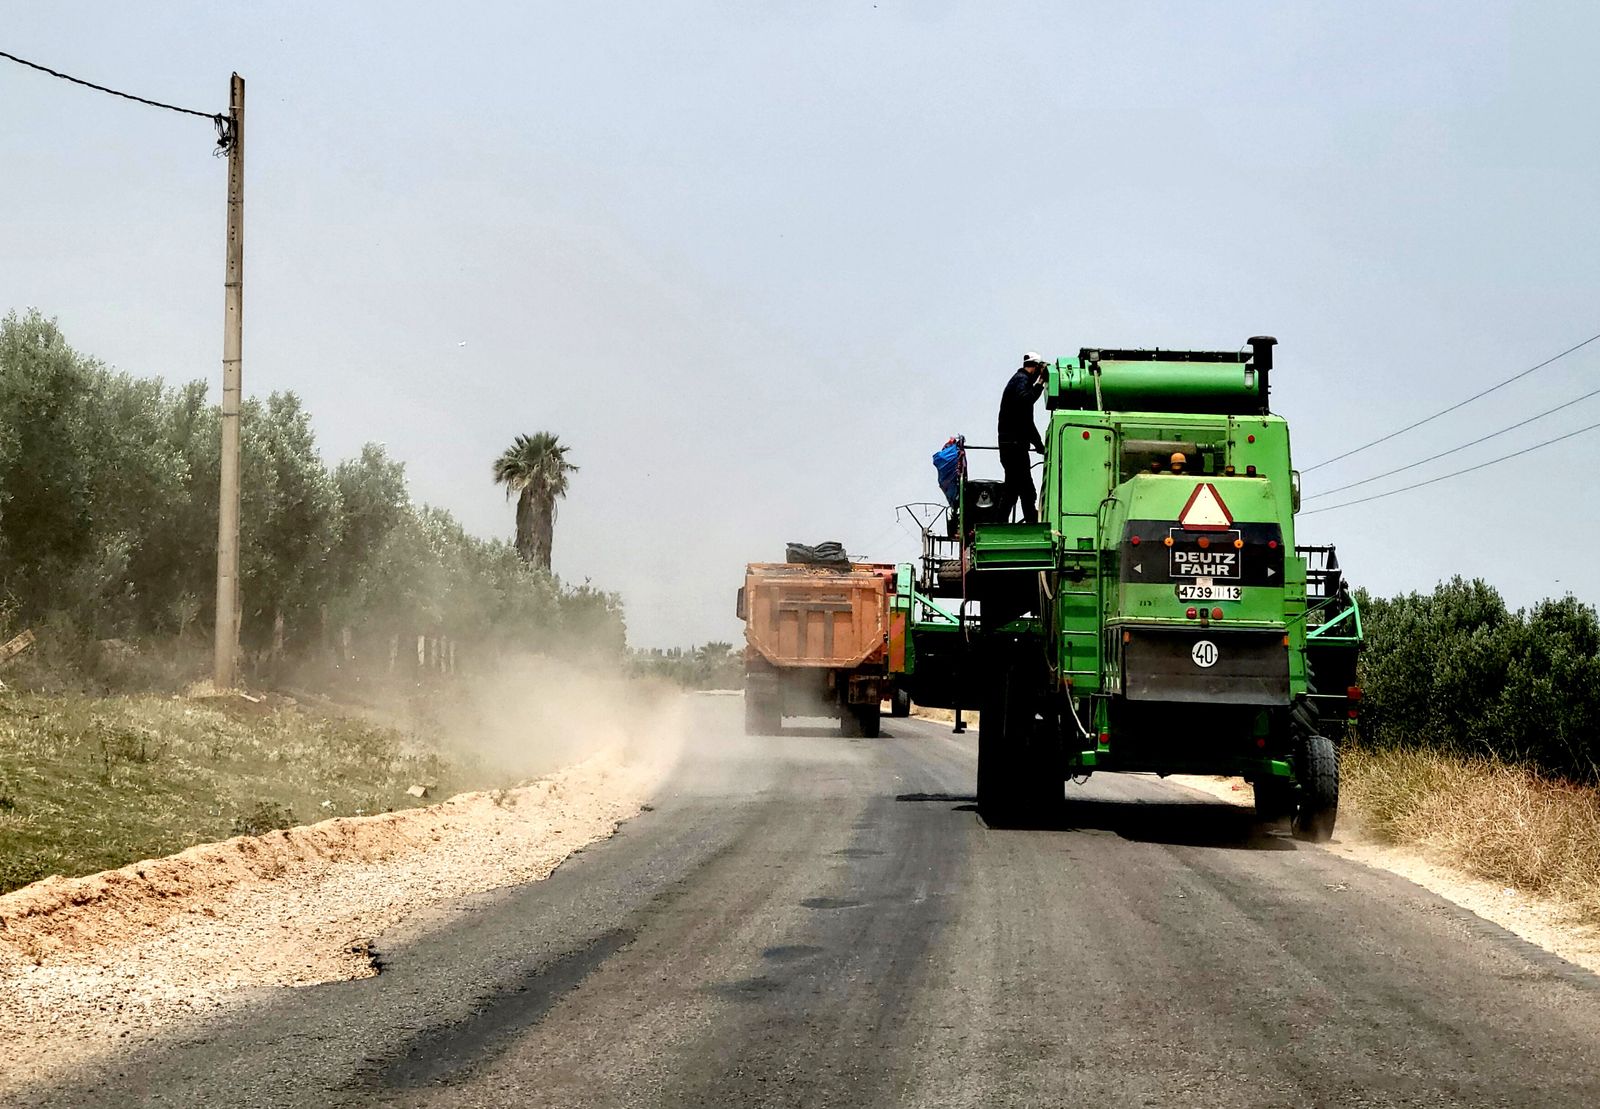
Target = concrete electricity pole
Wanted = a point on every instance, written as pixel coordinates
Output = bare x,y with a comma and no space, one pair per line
227,637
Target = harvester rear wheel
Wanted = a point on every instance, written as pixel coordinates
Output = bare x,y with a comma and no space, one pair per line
1274,799
1018,781
1317,767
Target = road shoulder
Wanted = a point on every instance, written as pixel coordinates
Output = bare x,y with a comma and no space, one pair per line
98,964
1544,922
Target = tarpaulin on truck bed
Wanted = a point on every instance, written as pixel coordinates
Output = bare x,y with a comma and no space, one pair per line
823,554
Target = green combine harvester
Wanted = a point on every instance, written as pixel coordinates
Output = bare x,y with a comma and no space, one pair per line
1160,617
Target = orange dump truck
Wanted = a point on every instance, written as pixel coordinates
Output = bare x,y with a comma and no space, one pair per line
816,643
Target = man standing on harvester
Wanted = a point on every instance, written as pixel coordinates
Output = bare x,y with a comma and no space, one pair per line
1018,433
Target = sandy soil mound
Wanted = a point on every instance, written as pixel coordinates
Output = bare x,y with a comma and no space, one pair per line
87,962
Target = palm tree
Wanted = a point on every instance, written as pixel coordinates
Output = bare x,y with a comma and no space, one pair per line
534,468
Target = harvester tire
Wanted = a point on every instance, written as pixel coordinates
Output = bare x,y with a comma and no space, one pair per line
993,773
1018,782
1274,800
1317,768
900,703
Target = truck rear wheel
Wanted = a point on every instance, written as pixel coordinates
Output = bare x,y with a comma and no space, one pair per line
900,703
1317,766
868,719
762,714
856,721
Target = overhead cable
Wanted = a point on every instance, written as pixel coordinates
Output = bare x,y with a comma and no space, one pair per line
1459,404
1453,473
221,121
1453,450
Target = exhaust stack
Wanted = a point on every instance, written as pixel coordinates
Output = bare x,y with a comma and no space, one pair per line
1261,360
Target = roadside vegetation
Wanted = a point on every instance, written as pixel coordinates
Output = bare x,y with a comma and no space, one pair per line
89,783
714,665
381,616
1506,824
108,495
1480,737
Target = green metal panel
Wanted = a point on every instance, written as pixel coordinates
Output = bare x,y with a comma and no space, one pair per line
1125,385
1013,547
1079,476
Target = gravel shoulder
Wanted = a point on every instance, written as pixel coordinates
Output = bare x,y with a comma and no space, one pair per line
99,963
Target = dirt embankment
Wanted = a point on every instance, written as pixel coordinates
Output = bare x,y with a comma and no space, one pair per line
86,963
946,716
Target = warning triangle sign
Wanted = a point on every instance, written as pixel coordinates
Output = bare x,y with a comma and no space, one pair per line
1205,510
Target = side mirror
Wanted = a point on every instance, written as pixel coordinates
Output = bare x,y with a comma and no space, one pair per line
1294,491
738,608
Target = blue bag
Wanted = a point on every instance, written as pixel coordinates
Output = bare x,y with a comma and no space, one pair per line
950,462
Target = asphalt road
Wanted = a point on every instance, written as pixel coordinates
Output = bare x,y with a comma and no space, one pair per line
814,921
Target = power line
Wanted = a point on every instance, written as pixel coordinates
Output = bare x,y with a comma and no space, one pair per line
1453,407
223,129
1454,473
1454,450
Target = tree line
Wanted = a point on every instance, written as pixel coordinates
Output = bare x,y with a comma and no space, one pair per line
714,665
1458,671
108,522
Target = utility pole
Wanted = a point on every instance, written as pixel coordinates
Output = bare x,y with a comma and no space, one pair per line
226,655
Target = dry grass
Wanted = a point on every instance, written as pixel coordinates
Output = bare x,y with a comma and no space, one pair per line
1502,823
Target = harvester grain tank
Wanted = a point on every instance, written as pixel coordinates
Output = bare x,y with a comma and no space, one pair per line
1160,617
817,643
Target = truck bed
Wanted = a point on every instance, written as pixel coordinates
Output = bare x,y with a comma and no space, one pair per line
814,616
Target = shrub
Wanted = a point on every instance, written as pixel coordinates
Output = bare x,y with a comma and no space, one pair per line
1454,670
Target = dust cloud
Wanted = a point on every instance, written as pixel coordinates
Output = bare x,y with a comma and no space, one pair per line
530,715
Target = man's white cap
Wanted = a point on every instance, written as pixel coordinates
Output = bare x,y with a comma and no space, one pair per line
1031,358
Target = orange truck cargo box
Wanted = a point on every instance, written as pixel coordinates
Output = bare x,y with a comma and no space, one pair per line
799,615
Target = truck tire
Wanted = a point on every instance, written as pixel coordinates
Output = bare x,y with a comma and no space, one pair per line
870,719
900,703
1317,767
849,722
762,715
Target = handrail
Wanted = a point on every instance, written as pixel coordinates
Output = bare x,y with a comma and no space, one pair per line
1327,626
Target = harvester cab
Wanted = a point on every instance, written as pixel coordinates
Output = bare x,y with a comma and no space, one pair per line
1159,617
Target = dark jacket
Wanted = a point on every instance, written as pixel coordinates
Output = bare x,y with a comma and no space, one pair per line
1016,411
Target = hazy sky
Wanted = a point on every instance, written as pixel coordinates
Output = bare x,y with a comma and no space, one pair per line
755,262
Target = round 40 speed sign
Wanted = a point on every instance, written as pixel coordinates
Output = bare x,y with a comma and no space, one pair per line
1204,653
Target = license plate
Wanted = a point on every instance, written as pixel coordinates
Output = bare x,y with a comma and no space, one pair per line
1205,591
